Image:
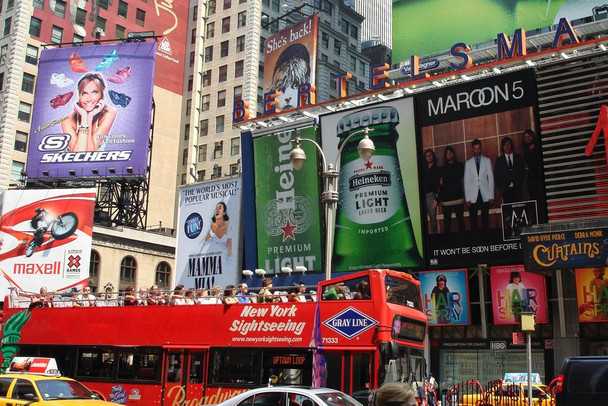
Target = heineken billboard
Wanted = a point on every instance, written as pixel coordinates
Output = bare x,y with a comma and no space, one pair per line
287,207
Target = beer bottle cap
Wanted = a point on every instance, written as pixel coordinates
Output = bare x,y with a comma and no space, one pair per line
367,117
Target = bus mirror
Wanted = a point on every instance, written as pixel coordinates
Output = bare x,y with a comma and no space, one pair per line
390,350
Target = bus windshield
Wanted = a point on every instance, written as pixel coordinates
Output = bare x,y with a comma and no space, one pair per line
403,292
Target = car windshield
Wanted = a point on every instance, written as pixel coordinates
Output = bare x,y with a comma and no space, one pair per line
51,389
337,399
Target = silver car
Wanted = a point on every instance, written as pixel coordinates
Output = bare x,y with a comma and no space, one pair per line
291,396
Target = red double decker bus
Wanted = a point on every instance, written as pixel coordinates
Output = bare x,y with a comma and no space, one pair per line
205,354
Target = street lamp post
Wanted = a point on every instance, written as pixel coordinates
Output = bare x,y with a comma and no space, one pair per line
527,326
329,197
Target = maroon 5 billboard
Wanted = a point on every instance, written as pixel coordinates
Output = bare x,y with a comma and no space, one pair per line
92,111
481,169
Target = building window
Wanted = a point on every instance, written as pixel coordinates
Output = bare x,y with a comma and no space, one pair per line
221,98
240,43
201,174
225,25
101,23
261,70
123,8
218,149
202,153
223,76
262,42
27,84
190,82
20,141
353,64
227,4
7,26
207,77
323,58
1,81
193,36
81,17
211,7
192,56
140,17
210,30
3,54
183,180
324,40
337,47
238,68
25,111
120,31
16,170
35,26
217,172
344,26
59,10
186,132
354,31
188,106
242,19
205,99
103,4
224,49
238,93
94,266
219,124
235,146
163,275
31,55
194,13
39,4
128,271
10,4
204,128
362,70
234,169
185,156
78,38
209,53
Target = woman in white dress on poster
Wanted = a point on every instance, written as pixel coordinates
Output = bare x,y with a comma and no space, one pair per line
217,240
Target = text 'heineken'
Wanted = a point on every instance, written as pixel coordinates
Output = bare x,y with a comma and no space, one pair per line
373,225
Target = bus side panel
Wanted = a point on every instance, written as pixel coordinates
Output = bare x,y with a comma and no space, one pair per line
130,394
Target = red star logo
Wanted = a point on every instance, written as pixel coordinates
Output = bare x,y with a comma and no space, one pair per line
288,230
368,165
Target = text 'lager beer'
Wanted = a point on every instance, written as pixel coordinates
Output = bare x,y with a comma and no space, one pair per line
373,225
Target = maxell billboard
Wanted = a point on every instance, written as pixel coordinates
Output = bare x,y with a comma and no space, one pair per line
290,61
208,234
45,238
481,169
92,111
425,27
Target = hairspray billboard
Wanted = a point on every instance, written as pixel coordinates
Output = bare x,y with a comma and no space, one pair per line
208,234
290,61
592,294
425,27
92,112
377,223
515,291
287,203
45,238
445,297
481,169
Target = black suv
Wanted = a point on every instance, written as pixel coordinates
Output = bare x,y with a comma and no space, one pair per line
583,381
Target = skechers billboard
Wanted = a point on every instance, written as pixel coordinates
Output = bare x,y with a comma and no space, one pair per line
92,111
480,169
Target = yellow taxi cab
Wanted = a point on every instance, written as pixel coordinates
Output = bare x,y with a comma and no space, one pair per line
37,381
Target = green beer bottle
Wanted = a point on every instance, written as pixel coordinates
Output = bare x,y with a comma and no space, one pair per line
373,225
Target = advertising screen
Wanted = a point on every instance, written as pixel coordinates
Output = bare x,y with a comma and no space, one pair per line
377,222
92,111
290,60
288,214
45,239
208,234
515,291
425,27
445,297
481,169
592,294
